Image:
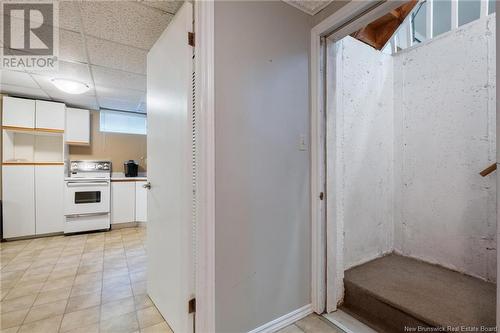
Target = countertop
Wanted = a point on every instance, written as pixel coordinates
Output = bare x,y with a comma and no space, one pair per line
120,177
129,179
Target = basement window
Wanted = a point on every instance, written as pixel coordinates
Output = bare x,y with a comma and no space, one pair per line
431,18
122,122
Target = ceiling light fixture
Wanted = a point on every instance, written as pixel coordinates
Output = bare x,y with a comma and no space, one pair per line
70,86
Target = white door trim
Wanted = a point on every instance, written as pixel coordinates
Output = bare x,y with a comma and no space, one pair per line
349,18
205,106
497,4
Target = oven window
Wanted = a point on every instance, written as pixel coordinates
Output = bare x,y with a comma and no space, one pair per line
87,197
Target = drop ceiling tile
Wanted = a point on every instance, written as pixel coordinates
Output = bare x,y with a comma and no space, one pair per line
118,56
311,7
107,77
17,78
119,93
77,101
124,22
119,98
142,107
71,46
67,70
69,17
168,6
118,104
23,91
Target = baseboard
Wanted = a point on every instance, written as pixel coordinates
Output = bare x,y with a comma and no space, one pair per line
284,321
115,226
347,323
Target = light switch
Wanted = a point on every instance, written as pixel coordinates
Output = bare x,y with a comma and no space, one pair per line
302,143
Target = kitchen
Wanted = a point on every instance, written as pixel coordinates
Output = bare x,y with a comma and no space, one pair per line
74,165
62,173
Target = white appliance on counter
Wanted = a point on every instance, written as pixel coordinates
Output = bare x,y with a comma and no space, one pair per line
87,196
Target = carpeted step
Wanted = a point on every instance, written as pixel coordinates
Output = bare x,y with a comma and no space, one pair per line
399,294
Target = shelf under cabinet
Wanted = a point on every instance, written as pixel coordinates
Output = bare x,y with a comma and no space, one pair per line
32,163
22,147
34,131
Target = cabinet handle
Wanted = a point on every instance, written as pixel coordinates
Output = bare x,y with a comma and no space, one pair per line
147,185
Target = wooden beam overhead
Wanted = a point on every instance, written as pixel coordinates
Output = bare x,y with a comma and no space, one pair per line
378,33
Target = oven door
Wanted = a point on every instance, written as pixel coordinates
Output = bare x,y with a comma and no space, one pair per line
86,197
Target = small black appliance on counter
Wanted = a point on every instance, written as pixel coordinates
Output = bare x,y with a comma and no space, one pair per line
130,168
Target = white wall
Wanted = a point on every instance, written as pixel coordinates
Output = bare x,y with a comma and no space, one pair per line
363,114
445,212
263,235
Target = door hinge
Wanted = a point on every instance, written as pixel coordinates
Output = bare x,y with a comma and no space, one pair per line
192,305
321,196
191,38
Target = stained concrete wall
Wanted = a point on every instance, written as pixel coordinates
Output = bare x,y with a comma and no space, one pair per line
262,194
412,132
445,212
364,159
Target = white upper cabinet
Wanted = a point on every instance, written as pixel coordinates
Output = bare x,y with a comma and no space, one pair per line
77,126
18,112
50,115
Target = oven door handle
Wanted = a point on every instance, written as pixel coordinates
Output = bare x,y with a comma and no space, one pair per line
78,184
86,215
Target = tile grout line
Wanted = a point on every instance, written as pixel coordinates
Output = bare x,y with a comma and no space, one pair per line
131,287
70,290
80,259
37,293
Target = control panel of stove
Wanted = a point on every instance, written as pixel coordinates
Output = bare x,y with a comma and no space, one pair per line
90,166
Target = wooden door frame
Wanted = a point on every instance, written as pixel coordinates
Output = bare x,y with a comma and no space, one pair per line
325,279
205,110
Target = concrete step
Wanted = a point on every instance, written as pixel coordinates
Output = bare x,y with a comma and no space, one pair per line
394,292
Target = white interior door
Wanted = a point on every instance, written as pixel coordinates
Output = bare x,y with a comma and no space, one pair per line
169,231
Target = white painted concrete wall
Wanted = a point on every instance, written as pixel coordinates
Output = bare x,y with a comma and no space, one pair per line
412,132
445,212
363,114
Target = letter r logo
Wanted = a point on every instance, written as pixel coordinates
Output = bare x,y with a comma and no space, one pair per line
28,28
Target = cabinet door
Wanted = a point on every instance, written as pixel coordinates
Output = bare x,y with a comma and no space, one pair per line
77,126
50,115
49,198
141,202
18,188
18,112
122,202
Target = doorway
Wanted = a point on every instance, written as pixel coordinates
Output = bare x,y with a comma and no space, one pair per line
402,170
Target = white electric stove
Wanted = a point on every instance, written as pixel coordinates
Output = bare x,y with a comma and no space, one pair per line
87,196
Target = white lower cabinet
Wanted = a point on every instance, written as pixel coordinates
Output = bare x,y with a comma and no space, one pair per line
49,198
141,202
18,188
122,202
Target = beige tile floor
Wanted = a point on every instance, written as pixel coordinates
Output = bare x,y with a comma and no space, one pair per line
87,283
84,283
311,324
